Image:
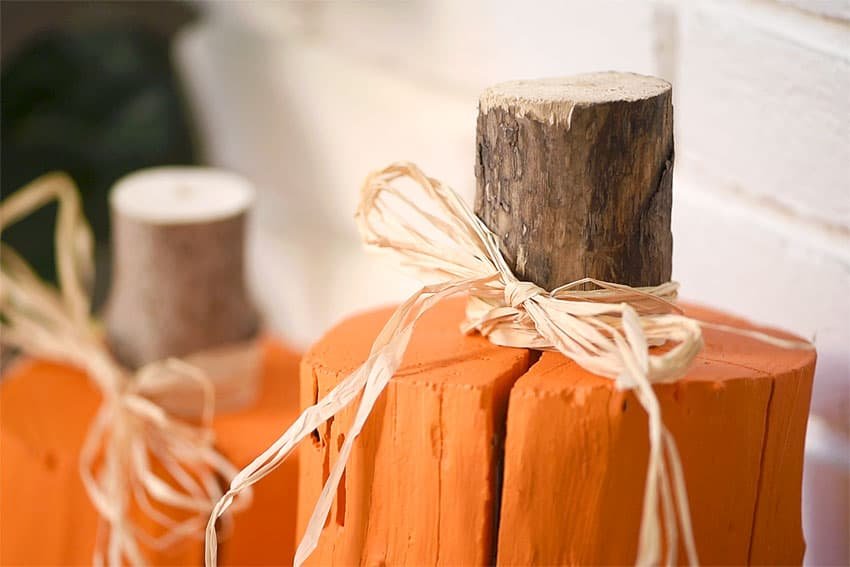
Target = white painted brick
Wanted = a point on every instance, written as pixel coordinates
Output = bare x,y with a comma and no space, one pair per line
471,44
363,280
466,46
761,100
307,124
262,17
304,281
830,8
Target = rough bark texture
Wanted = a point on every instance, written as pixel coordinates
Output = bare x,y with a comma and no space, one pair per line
575,177
177,288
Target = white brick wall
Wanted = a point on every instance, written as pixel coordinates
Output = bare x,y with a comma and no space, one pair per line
759,101
307,97
839,9
308,123
466,46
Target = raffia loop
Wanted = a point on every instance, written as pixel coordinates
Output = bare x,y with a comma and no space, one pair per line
136,454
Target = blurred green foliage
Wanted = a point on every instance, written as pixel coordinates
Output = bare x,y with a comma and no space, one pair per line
96,102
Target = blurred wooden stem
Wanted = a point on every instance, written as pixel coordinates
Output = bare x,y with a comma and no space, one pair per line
575,177
178,264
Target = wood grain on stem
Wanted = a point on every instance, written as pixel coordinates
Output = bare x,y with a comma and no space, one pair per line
575,177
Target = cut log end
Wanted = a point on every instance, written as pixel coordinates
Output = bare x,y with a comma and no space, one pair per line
554,98
179,195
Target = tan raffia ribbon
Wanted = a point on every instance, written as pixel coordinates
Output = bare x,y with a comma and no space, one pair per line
608,331
132,438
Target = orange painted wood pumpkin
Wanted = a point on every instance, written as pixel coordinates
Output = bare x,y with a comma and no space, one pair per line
46,517
479,454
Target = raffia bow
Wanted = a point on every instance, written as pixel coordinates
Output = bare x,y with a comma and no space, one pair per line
135,451
608,331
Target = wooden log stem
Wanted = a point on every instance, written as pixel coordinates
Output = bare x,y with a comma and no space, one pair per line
178,264
575,177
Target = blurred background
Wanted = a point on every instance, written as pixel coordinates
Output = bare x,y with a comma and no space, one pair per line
306,98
